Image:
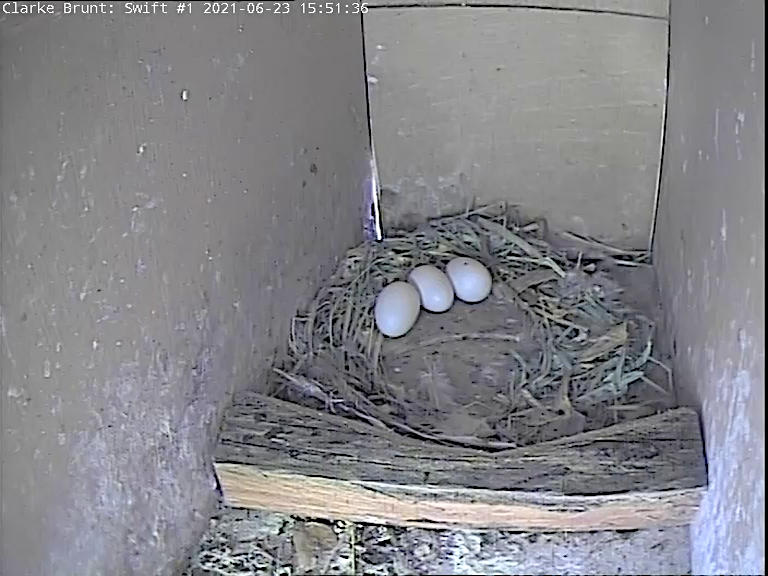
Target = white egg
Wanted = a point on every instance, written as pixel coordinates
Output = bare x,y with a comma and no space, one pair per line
471,280
434,287
397,308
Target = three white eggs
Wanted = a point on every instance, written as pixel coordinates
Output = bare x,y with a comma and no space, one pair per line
398,305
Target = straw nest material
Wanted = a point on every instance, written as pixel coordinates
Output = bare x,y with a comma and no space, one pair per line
591,349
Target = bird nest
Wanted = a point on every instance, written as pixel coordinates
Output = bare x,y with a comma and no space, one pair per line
563,352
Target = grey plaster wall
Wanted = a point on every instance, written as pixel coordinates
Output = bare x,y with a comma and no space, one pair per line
652,8
558,111
171,188
710,251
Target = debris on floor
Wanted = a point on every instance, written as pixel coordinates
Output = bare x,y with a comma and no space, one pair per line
249,543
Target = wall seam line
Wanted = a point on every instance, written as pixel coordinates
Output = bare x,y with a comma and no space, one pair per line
662,147
373,193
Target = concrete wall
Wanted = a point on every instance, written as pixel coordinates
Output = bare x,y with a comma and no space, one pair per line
710,250
657,8
171,188
556,110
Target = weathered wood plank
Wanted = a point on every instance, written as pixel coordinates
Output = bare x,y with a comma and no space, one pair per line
652,8
247,487
559,112
282,457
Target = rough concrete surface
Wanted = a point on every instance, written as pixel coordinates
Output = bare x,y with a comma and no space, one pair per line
172,187
710,251
652,8
243,543
557,111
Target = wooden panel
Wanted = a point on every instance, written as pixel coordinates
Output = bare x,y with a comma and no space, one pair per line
652,8
559,112
286,458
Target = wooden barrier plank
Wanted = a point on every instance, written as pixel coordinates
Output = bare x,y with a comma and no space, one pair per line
278,456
